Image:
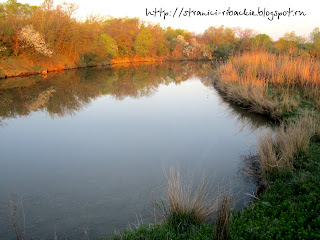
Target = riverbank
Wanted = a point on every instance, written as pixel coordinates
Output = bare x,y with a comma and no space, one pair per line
24,66
286,89
287,164
290,207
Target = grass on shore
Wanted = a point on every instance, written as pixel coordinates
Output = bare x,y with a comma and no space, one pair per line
290,207
186,202
286,89
186,212
277,151
276,85
283,88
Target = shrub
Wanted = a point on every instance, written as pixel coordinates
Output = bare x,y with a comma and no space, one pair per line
34,40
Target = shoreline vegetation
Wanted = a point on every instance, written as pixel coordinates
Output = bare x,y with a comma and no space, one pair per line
45,38
279,79
20,67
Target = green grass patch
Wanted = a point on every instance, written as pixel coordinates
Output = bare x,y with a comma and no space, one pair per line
167,231
289,209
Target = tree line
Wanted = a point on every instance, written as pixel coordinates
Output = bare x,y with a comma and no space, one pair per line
49,31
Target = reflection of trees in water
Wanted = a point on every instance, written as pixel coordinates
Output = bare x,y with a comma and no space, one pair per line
64,93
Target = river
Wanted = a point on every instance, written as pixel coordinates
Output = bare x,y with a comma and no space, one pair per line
84,151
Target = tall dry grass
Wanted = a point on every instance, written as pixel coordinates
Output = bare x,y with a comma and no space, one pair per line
278,150
223,222
270,84
254,98
186,201
262,68
267,153
190,203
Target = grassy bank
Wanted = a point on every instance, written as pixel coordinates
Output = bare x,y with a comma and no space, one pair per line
286,89
287,163
279,86
24,66
290,207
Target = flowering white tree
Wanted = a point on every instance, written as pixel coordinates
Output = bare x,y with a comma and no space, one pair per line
2,48
33,39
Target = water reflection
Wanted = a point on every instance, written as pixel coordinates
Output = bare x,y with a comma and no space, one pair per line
65,93
98,156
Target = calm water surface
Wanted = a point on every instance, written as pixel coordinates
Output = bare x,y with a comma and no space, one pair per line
85,150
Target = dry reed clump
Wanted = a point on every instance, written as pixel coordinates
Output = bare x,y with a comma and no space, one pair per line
223,222
190,204
252,97
256,98
267,153
187,203
265,82
294,138
277,152
261,68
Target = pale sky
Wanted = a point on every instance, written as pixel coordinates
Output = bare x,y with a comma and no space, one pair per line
302,25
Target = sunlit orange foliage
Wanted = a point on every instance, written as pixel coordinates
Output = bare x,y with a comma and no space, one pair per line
262,68
268,83
124,31
100,39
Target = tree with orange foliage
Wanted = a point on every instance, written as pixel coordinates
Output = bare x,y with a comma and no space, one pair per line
124,32
143,42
